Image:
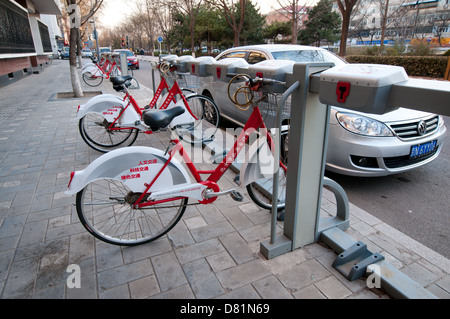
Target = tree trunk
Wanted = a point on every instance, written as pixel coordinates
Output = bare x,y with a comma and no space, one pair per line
75,79
344,35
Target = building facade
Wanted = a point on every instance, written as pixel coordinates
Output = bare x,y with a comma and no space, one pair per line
404,20
25,41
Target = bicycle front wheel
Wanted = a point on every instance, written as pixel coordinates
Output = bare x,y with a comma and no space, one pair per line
261,191
92,80
207,123
105,208
95,131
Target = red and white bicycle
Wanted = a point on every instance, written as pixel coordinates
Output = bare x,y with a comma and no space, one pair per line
108,122
135,195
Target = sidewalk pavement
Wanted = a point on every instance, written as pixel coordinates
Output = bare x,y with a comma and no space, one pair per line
212,253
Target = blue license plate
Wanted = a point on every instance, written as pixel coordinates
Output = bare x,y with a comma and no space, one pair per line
422,149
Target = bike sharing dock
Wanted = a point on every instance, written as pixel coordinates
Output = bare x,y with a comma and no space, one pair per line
215,252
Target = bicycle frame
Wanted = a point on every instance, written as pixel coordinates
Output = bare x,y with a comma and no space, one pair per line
175,90
196,190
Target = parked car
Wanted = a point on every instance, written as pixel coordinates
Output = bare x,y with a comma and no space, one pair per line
86,53
64,53
104,50
133,62
359,144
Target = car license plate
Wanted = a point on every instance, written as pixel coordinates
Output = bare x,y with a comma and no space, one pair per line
422,149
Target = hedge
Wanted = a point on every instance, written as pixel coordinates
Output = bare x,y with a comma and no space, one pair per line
424,66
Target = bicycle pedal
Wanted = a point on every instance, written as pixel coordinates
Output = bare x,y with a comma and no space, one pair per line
236,196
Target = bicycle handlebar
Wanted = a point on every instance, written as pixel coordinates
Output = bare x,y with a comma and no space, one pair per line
257,81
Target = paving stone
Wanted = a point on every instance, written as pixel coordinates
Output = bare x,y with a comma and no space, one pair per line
243,274
168,271
237,248
203,282
144,287
123,274
271,288
333,288
199,250
303,274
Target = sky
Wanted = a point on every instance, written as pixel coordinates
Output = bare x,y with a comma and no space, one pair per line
115,11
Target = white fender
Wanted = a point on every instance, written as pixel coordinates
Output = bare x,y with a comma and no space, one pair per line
98,99
87,64
92,69
258,164
134,166
110,108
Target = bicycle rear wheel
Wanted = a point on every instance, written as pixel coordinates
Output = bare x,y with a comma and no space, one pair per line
94,130
261,191
92,80
207,123
104,207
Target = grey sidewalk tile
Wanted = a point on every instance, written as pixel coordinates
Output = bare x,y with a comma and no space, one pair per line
154,248
309,292
124,274
182,292
211,231
333,288
107,256
144,287
118,292
246,292
237,248
271,288
220,261
303,275
168,271
203,282
199,250
243,274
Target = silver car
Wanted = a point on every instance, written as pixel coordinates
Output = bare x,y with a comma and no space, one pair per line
359,144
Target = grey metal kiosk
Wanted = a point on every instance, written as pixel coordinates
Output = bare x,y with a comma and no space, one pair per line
314,86
366,88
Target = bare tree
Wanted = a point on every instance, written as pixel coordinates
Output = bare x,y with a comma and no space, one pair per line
190,9
294,12
163,14
77,19
346,8
234,17
148,10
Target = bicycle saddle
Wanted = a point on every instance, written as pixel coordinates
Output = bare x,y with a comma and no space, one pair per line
161,118
119,80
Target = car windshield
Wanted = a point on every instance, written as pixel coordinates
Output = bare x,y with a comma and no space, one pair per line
307,56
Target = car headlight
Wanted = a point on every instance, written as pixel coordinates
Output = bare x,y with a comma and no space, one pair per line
363,125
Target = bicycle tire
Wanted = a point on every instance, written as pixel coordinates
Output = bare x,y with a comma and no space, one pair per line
93,130
261,191
105,210
92,81
207,123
